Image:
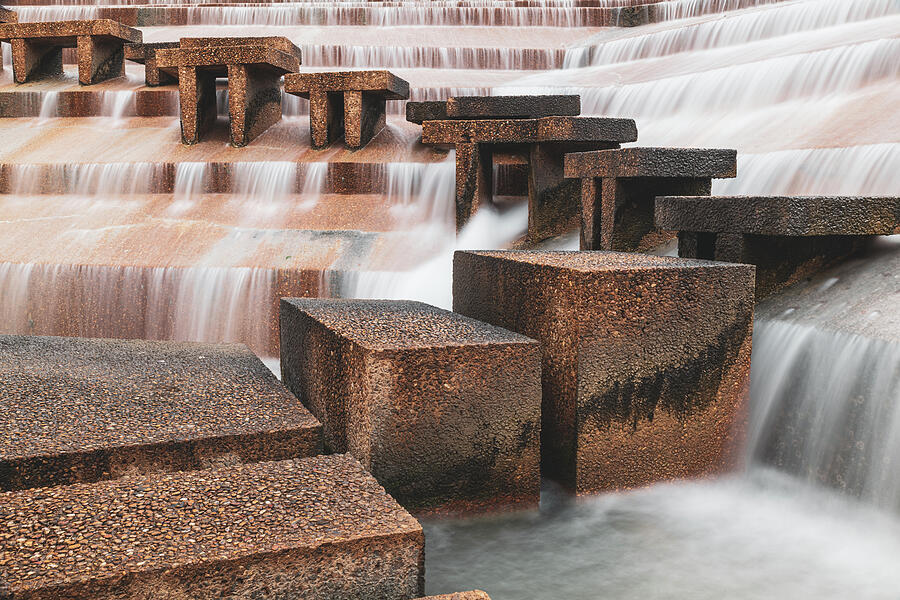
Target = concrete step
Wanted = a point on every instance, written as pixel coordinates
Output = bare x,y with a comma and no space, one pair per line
76,410
316,527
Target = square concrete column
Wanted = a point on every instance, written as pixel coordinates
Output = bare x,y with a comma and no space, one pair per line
443,410
99,59
646,359
326,117
474,179
197,96
33,61
254,102
618,188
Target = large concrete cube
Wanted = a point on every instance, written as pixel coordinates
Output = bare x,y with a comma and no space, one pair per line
442,409
646,359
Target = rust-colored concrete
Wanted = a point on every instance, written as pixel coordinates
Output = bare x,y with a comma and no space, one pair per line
646,359
145,54
443,410
75,410
473,595
788,238
346,103
553,202
308,529
618,188
37,48
254,70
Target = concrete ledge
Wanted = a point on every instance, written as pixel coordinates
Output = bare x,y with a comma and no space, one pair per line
83,410
381,82
646,359
512,107
652,162
316,527
442,409
70,29
781,215
524,131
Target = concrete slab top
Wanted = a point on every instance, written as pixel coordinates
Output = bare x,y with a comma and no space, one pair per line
512,107
401,324
277,42
780,215
187,520
222,56
652,162
65,31
428,110
598,260
71,395
384,83
524,131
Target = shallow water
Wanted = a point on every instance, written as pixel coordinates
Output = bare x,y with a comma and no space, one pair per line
759,535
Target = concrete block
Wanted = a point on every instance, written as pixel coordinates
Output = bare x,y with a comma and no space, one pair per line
442,409
646,359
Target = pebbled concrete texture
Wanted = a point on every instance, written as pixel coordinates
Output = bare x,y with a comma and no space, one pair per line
789,239
83,410
512,107
781,215
619,187
645,358
314,528
473,595
442,409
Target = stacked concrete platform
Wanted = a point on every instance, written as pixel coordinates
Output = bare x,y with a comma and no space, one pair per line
787,238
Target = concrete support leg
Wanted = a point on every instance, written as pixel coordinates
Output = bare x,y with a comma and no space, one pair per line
553,201
33,60
153,76
326,117
590,214
254,102
99,59
627,209
474,179
197,94
363,117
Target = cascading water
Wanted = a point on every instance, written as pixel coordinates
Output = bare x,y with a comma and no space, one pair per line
154,240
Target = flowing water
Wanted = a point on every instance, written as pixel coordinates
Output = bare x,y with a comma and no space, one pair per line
133,238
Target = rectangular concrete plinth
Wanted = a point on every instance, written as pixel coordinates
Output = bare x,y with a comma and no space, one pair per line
37,48
553,202
443,410
253,66
646,359
618,188
145,54
346,103
787,238
781,215
82,410
319,527
512,107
